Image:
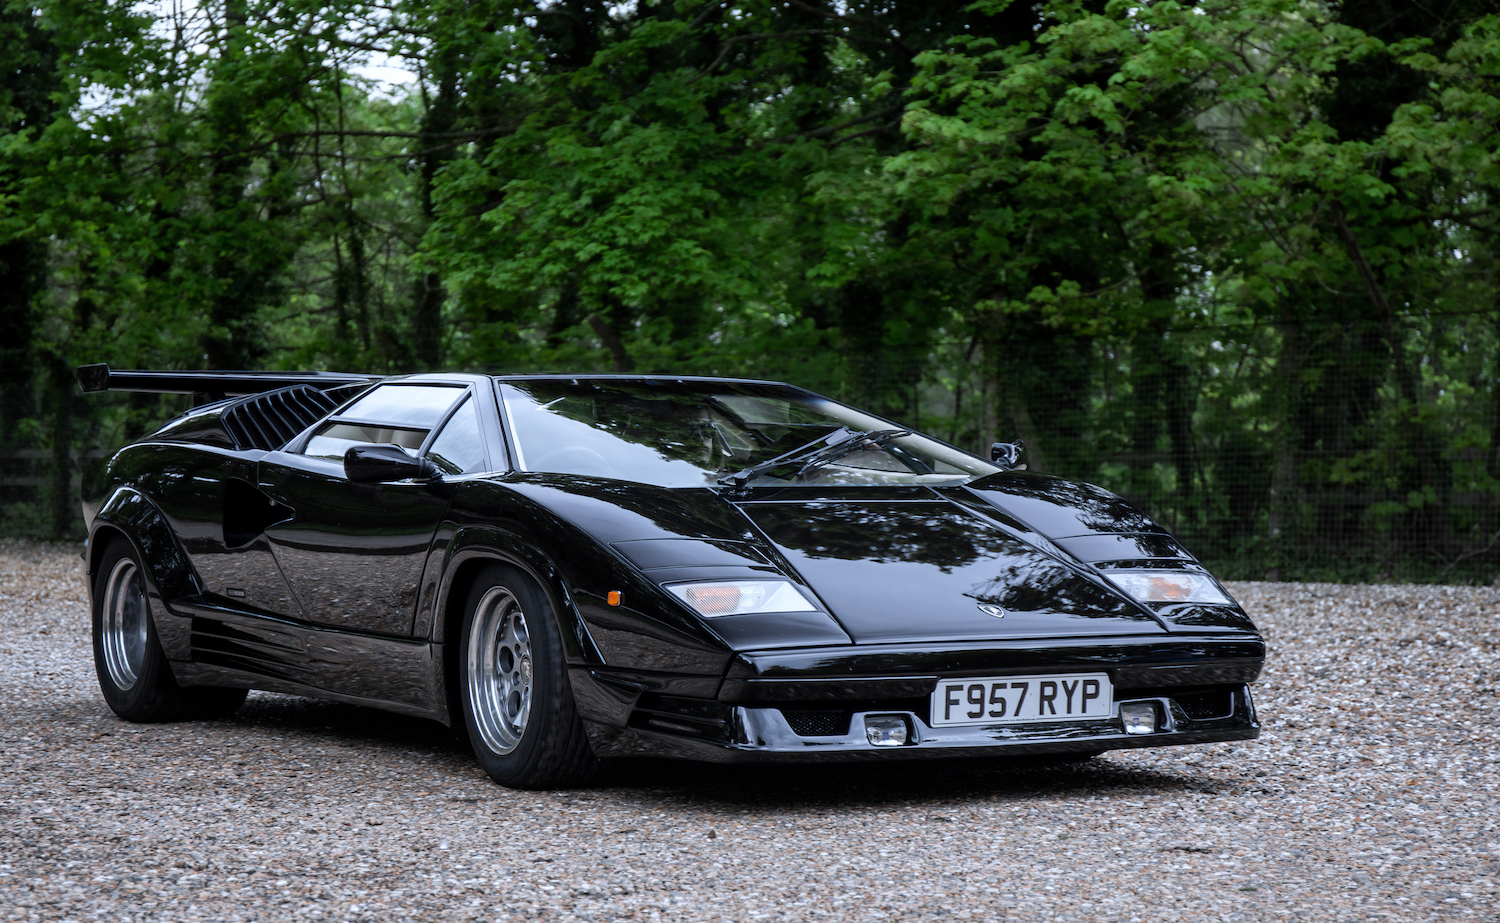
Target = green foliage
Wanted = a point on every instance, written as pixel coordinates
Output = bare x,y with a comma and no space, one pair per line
1233,259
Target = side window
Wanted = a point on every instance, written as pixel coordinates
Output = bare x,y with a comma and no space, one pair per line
401,414
459,447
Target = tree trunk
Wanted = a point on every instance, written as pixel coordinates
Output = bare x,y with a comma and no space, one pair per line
62,513
28,82
1405,380
1020,415
1005,391
612,342
359,272
1147,383
340,291
564,316
1426,526
231,341
427,322
989,387
862,324
1181,399
439,119
22,270
1282,500
1493,463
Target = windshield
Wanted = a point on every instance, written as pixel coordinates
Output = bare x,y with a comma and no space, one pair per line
693,434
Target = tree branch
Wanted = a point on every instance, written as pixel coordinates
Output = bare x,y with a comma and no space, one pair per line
869,131
460,135
1357,255
708,11
835,129
762,36
896,40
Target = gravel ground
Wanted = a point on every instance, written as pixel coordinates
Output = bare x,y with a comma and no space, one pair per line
1371,795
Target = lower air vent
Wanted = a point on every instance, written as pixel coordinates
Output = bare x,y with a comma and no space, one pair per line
682,715
817,723
1202,705
266,650
678,726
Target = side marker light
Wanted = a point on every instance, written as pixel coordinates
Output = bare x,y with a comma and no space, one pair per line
613,597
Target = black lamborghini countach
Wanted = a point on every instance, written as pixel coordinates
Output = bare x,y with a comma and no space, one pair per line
582,567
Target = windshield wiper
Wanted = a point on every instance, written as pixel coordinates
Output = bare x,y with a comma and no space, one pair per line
740,478
842,441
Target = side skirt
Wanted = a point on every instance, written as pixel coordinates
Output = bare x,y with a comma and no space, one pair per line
229,647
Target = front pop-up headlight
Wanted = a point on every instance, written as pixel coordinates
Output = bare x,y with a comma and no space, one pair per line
715,598
1169,587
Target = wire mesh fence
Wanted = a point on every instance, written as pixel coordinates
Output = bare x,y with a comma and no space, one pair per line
1292,451
1312,449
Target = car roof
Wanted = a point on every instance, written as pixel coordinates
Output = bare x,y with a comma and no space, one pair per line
584,376
559,376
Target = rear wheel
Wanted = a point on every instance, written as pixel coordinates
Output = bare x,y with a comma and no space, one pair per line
133,671
517,700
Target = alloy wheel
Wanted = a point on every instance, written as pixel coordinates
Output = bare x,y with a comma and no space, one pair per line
126,615
500,670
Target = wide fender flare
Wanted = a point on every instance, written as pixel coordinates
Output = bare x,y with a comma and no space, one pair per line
479,544
131,515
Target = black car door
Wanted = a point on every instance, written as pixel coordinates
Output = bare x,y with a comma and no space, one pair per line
353,552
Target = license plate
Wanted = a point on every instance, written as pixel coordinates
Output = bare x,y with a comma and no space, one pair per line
1021,699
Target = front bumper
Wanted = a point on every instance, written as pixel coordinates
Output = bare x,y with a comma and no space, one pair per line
811,704
767,734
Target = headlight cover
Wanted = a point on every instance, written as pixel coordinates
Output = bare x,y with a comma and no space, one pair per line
716,598
1170,587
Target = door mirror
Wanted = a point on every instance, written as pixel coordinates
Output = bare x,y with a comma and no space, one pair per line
376,463
1007,454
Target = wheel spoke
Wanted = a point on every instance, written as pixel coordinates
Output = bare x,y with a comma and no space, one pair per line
500,670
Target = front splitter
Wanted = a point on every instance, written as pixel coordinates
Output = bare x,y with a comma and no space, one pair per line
764,735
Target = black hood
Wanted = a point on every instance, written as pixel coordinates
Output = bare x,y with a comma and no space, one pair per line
929,570
902,564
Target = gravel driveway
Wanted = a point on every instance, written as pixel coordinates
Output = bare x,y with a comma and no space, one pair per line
1372,794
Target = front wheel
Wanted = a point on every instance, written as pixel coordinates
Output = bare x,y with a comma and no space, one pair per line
133,671
517,700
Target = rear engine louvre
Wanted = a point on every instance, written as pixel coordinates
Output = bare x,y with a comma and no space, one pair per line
268,421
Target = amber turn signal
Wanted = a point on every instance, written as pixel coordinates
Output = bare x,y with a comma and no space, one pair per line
613,597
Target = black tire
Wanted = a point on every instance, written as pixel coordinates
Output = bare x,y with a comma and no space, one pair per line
513,682
133,672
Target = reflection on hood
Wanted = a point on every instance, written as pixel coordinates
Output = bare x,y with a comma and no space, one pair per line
920,570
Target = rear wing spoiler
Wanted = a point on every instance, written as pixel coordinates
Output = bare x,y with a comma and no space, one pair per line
210,386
